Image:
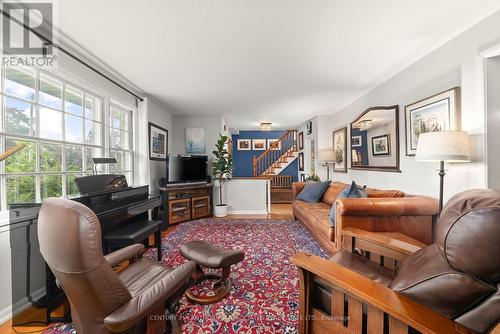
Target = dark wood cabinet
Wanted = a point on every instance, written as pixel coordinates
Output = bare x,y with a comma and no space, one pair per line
187,202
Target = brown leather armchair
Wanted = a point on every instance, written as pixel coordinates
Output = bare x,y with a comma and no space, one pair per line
101,300
450,286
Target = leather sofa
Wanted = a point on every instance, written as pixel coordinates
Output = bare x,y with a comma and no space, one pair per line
382,211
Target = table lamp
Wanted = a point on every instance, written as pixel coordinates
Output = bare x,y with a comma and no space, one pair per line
327,157
443,146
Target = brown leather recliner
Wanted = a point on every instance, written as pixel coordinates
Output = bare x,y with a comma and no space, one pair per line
458,276
101,300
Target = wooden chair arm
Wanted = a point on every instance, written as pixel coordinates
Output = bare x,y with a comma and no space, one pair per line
394,304
393,241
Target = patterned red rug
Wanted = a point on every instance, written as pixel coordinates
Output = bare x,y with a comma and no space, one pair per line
264,297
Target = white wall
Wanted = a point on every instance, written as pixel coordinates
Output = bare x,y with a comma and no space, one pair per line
493,107
457,63
160,116
213,125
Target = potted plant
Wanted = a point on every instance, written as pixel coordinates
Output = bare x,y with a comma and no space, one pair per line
222,172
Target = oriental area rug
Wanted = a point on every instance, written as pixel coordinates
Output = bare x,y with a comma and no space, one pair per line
264,296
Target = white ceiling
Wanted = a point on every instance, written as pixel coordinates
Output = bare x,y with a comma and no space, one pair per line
281,61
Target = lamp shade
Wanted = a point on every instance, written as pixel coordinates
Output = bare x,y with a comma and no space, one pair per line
451,146
326,156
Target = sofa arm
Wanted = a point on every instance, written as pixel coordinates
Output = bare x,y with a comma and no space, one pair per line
393,206
297,188
354,290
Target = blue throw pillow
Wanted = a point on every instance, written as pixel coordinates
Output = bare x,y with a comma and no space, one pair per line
313,191
352,191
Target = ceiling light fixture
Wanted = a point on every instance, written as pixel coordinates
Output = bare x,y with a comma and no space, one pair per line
265,126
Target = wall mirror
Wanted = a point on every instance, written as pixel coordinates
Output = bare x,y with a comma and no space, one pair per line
375,140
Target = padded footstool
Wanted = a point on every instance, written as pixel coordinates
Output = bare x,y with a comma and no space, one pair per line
214,257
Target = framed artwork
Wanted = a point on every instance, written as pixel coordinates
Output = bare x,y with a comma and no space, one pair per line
340,150
258,144
158,142
356,141
301,161
244,144
195,140
440,112
271,142
309,127
381,145
302,177
301,140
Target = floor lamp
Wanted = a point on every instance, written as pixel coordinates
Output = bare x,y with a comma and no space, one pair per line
327,157
443,146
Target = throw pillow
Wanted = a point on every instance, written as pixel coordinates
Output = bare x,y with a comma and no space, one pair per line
352,191
313,191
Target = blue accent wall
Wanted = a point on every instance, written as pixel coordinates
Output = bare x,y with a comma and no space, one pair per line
243,160
364,142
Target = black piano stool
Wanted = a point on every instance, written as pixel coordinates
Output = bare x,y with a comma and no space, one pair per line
137,232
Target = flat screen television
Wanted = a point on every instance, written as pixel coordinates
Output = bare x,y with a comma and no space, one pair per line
186,169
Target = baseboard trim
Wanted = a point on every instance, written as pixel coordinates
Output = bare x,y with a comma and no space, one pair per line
247,212
19,306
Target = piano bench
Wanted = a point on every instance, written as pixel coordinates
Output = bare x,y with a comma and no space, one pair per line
137,232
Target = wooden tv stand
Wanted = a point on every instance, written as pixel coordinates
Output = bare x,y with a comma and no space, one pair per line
186,202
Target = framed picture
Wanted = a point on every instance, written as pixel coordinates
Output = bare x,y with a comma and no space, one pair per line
381,145
301,161
158,142
356,141
440,112
301,140
258,144
309,127
340,150
195,140
244,144
271,142
302,177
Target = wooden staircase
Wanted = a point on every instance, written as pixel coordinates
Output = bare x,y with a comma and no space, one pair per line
279,155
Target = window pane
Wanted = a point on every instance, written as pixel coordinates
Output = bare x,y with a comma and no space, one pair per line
115,140
21,189
20,117
20,82
71,189
24,161
51,123
74,129
115,116
74,101
50,93
74,159
50,157
92,153
51,186
92,108
124,161
125,120
92,133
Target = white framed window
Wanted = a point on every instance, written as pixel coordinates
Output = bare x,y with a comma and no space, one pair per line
62,125
120,132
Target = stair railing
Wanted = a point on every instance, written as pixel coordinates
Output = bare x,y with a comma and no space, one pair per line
281,181
275,154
